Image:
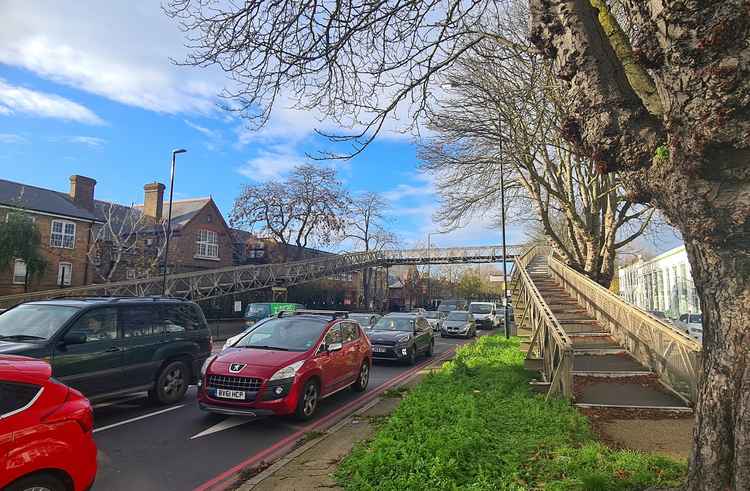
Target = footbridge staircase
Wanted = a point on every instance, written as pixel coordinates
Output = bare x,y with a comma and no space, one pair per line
584,343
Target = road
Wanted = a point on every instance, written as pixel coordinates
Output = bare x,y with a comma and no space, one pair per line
148,447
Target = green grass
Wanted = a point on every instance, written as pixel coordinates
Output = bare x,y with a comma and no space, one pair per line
474,425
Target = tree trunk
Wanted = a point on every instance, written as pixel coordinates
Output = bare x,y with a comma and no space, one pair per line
721,447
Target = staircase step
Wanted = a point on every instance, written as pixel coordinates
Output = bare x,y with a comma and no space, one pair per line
632,392
595,342
615,350
602,365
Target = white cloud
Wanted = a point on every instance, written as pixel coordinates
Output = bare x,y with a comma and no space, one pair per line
11,138
201,129
271,163
91,141
118,50
23,100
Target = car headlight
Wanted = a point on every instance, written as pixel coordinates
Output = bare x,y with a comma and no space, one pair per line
288,371
206,363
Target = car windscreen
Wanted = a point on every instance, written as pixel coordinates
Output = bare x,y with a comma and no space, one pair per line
458,316
284,334
395,324
696,319
34,322
480,308
363,319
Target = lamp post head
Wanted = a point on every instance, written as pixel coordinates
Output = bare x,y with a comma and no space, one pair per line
179,150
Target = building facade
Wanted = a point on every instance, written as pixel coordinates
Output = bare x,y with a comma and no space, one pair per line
663,284
65,222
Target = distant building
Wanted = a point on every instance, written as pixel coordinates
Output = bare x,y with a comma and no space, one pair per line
663,284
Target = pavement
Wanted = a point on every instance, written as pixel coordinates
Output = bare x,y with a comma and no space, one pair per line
179,447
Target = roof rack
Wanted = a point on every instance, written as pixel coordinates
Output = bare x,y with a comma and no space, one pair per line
108,298
333,314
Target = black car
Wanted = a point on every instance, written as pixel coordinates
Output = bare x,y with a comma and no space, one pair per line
401,337
109,346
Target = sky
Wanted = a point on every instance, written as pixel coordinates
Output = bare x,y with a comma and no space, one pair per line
88,87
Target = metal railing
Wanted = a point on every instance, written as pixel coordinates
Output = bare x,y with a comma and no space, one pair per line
213,283
549,343
448,255
672,355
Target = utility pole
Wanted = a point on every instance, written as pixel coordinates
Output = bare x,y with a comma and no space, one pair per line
502,206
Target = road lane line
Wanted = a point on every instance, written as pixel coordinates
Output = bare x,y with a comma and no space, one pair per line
220,480
132,420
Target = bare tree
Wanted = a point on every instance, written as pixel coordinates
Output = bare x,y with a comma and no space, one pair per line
497,95
665,103
367,227
127,238
308,207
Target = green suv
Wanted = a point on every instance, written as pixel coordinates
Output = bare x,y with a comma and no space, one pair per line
111,346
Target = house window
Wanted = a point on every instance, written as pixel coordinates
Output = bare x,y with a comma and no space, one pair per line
208,244
19,272
64,274
63,234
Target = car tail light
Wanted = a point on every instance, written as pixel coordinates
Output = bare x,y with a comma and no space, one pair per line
75,408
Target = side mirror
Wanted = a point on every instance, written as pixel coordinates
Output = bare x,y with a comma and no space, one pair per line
74,338
334,347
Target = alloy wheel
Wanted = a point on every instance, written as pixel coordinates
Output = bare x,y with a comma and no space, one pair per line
310,399
174,381
364,375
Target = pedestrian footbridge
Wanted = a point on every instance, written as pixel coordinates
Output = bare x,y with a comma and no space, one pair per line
213,283
586,344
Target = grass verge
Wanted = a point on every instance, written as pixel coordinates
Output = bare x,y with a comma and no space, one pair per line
474,425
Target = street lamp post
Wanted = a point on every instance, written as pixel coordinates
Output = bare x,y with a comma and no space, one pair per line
169,220
429,266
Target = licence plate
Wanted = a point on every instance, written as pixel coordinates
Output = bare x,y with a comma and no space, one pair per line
230,394
378,349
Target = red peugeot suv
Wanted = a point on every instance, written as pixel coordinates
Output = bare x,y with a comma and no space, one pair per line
46,440
286,365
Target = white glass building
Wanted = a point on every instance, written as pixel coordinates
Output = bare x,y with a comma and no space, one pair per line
663,283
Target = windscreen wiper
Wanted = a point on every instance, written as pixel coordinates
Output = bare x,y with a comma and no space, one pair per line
21,337
260,346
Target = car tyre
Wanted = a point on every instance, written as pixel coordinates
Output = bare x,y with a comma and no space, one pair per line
38,482
412,359
171,383
430,349
363,378
308,401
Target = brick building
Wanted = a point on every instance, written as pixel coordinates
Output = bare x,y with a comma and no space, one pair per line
65,223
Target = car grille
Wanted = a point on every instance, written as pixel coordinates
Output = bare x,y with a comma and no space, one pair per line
384,343
229,382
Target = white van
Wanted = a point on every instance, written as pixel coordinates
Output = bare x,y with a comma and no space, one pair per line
692,325
485,314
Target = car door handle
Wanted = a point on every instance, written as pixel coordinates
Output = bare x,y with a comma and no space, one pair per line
113,349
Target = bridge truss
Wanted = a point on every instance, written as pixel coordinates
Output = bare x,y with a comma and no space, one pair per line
204,285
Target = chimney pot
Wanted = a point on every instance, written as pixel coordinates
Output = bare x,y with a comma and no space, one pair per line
153,200
82,191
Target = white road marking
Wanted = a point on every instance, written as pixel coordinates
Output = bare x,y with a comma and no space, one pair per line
230,422
132,420
117,402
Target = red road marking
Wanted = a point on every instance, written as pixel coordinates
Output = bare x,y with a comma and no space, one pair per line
219,483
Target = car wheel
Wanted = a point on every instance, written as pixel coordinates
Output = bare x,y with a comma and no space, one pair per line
308,401
171,383
431,348
38,482
360,385
412,359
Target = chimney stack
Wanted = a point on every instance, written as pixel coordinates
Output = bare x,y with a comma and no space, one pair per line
82,191
153,200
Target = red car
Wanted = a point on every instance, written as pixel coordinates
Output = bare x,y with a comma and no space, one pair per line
46,441
286,365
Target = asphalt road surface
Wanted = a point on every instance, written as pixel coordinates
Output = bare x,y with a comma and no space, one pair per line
148,447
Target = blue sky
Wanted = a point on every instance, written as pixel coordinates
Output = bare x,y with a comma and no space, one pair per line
88,88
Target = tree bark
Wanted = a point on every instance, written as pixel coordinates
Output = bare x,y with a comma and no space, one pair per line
693,162
721,446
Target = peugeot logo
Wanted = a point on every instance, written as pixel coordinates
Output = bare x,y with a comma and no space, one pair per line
236,367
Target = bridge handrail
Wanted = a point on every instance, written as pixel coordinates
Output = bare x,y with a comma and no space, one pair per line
549,341
672,355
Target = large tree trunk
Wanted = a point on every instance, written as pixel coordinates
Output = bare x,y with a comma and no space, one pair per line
689,154
721,447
